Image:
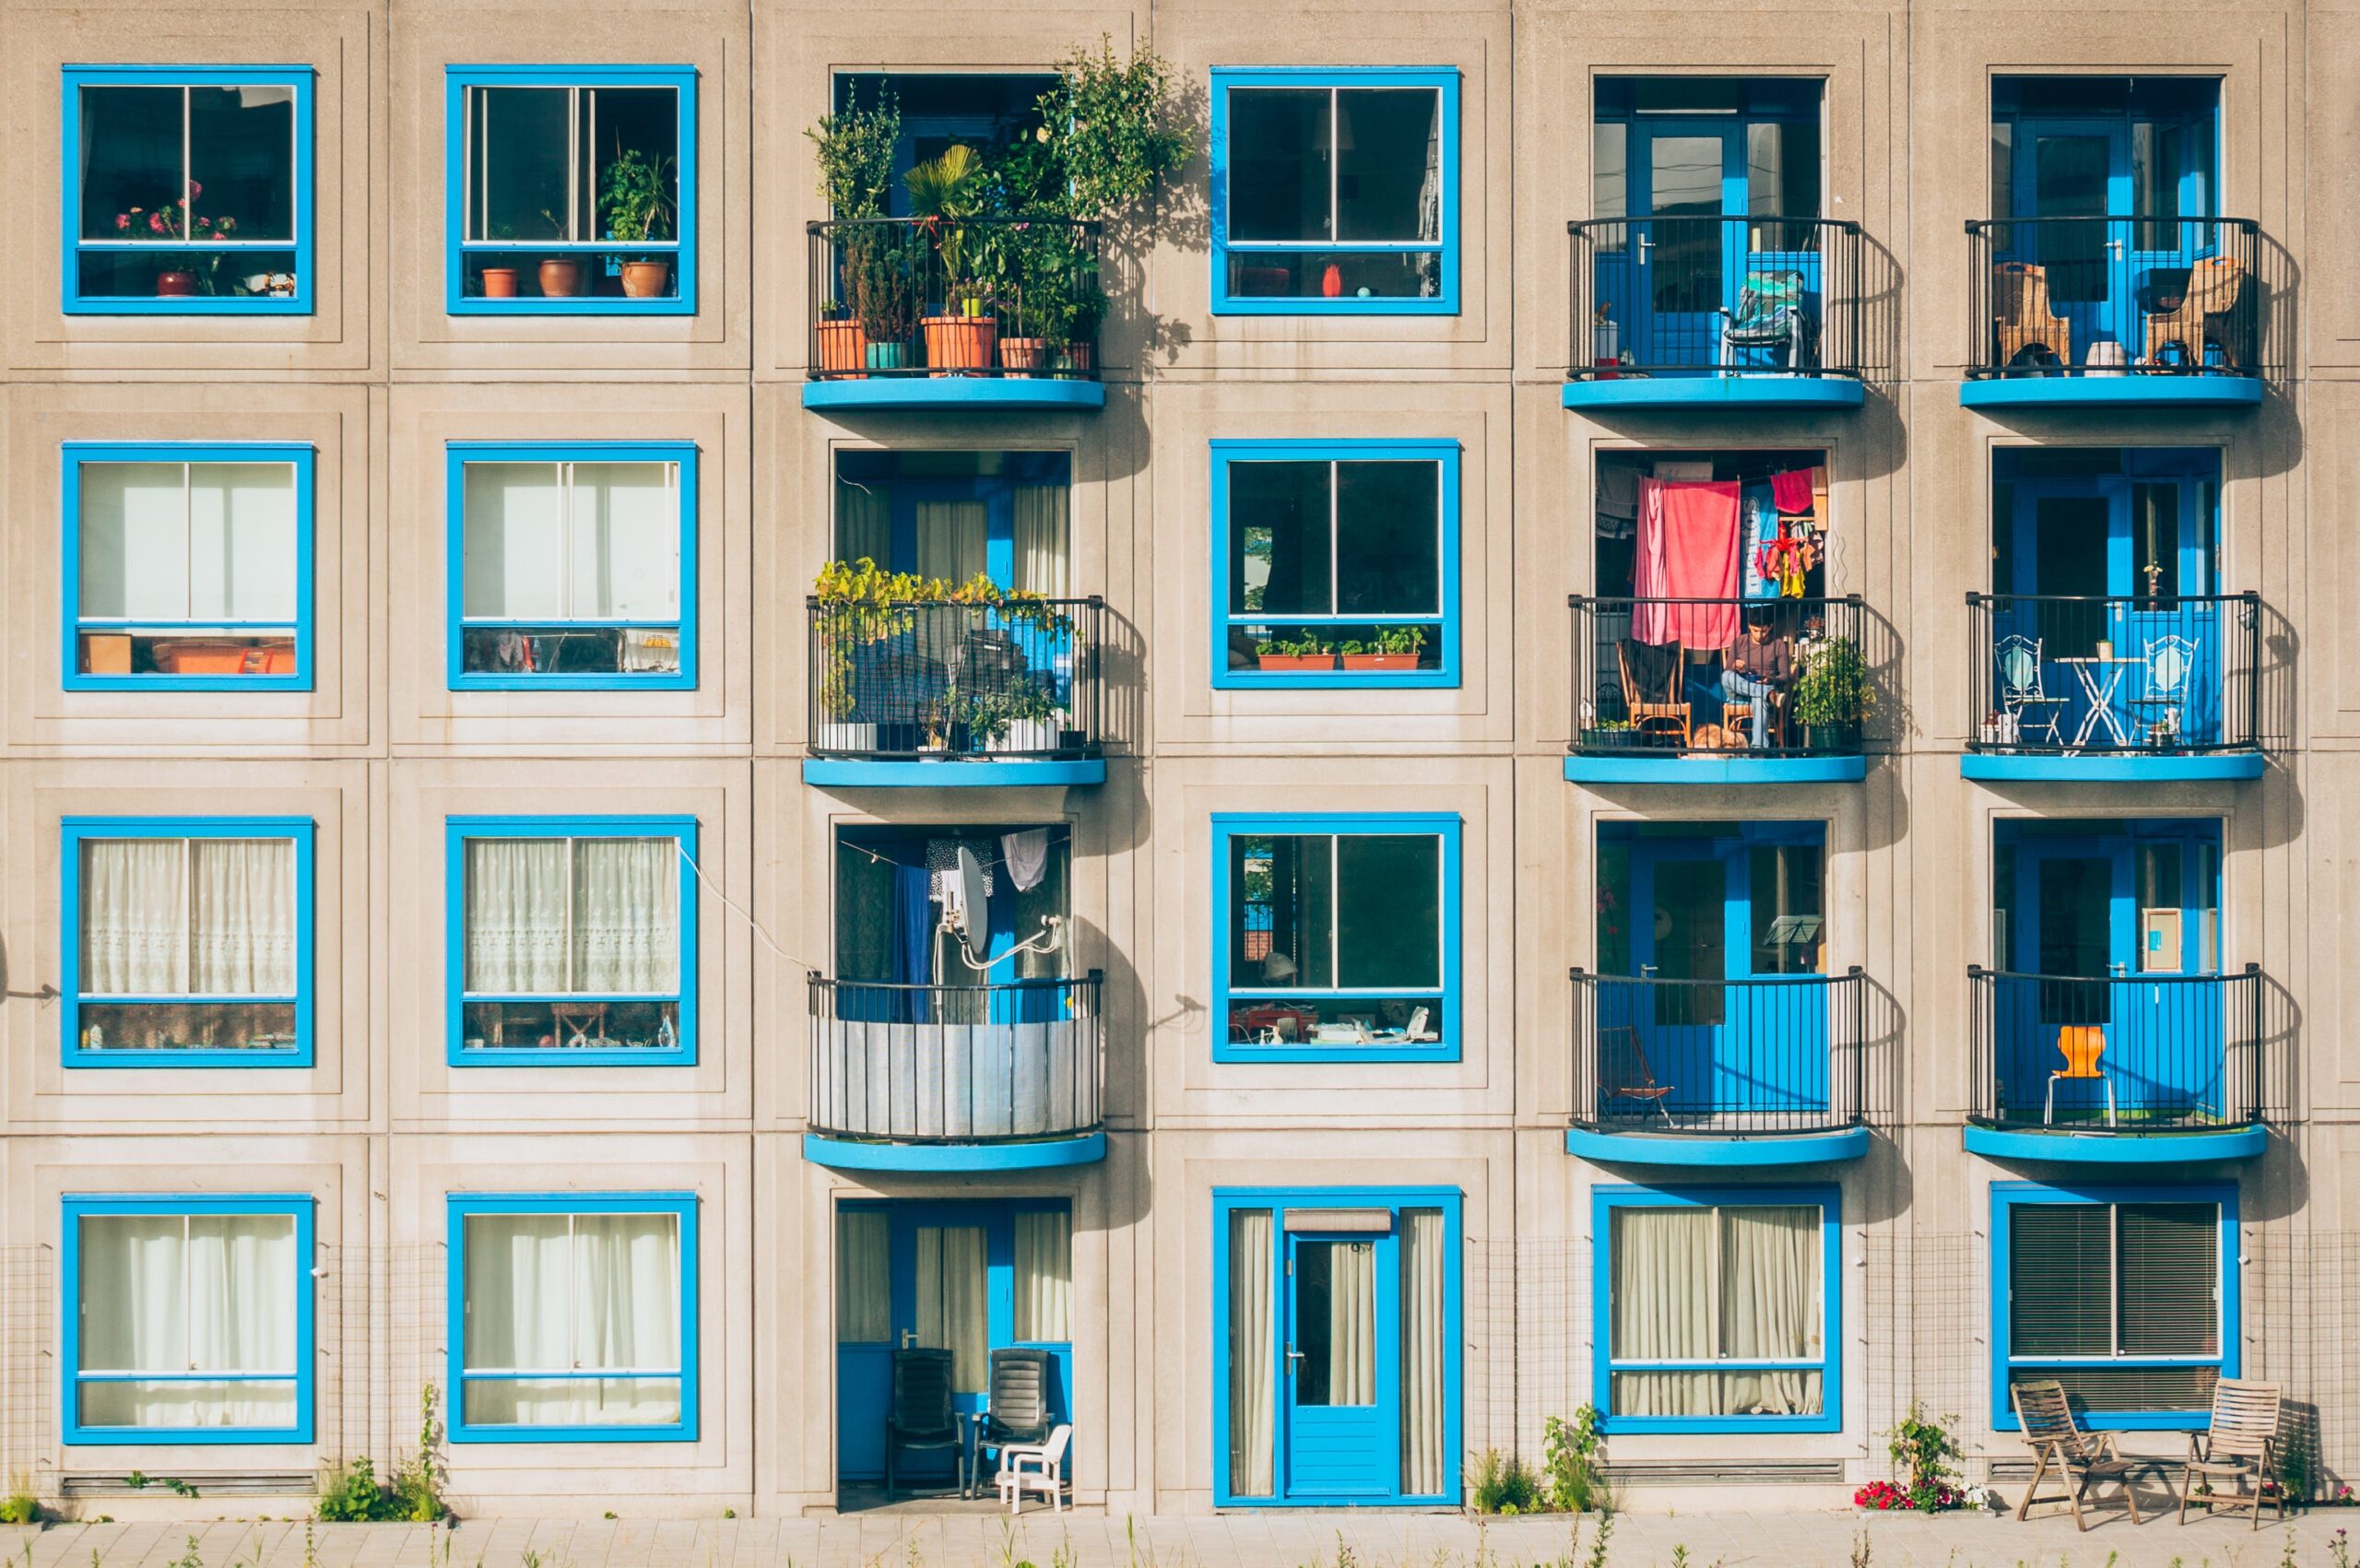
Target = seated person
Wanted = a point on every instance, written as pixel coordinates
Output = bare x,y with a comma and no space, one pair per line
1756,669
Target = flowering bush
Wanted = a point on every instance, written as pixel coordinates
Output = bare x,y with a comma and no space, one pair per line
1933,1498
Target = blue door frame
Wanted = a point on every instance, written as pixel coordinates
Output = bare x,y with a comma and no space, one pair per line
865,1369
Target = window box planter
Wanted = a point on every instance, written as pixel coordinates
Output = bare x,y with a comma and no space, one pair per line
1379,661
843,349
1622,739
1296,661
960,343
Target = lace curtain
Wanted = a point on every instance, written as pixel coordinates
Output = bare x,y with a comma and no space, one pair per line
564,917
188,918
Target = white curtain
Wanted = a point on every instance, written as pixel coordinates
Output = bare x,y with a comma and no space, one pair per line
1424,1353
570,1295
952,1302
1663,1309
1253,1424
188,541
1770,1307
188,916
517,899
626,915
1044,1275
1732,1284
211,1293
950,539
864,522
1351,1323
864,1277
581,541
1042,548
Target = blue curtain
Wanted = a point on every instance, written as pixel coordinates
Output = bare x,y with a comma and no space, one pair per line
914,936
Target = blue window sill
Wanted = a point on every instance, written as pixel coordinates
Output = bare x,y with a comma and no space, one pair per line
587,305
228,1057
1622,1426
963,772
1354,680
848,1154
1707,390
682,681
1431,1051
192,305
953,391
569,1433
1635,766
2198,391
1703,1149
561,1056
2112,767
300,681
2083,1146
1319,305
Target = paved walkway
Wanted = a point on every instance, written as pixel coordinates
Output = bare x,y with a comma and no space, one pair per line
1321,1540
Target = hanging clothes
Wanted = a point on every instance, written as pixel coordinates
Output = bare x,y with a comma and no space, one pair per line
1688,549
913,926
1761,532
1618,501
1791,489
1027,857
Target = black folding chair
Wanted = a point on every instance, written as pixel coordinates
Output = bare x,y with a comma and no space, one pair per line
920,1419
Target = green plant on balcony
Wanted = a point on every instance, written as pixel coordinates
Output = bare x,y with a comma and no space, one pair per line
860,604
855,154
1833,693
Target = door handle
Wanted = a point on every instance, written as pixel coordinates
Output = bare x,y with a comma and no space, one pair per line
909,1338
2114,249
1293,1356
1645,245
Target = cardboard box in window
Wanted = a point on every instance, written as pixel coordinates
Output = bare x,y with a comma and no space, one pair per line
106,653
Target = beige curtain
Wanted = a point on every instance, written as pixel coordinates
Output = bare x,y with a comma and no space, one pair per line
516,909
1663,1262
864,524
864,1277
951,1302
950,539
1044,1275
1770,1307
204,917
1425,1258
1253,1418
1351,1323
1041,540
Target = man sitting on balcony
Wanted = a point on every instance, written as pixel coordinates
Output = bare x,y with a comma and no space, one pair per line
1755,670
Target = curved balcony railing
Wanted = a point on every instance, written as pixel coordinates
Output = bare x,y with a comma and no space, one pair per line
1018,1062
1651,677
900,296
2128,1053
2136,676
1714,296
2114,296
907,681
1771,1054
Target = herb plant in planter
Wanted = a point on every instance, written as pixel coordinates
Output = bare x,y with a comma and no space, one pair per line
1387,647
1832,694
638,209
1295,654
946,195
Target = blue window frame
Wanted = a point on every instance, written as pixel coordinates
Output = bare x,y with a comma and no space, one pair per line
1333,543
1777,1369
143,1371
2128,1295
1336,937
1301,1417
140,144
529,151
571,565
186,941
576,934
186,566
1302,228
526,1369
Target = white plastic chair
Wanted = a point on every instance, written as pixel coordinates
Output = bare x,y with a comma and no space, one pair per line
1035,1467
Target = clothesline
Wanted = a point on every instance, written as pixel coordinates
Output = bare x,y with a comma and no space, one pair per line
1056,836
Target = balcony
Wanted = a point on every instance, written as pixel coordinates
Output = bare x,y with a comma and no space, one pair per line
1704,312
2126,689
949,694
2122,1069
981,315
2114,312
1767,1070
1652,703
956,1078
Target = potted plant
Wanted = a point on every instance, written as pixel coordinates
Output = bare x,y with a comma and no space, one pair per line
637,210
560,276
946,194
855,157
498,282
1291,653
1832,694
1388,647
880,268
859,605
844,343
189,274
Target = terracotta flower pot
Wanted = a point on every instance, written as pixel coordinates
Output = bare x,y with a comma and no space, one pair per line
646,279
175,283
1079,359
843,349
1297,661
498,282
1024,356
960,343
561,277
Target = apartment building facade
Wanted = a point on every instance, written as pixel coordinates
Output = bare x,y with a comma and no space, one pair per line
1651,721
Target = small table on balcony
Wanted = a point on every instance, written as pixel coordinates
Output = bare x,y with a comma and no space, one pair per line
2100,679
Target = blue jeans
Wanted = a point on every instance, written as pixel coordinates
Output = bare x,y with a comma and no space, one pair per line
1739,688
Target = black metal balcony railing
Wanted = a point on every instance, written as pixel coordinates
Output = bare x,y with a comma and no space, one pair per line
2132,1053
2135,675
1679,676
1018,679
1704,296
1772,1054
979,297
1009,1063
2114,296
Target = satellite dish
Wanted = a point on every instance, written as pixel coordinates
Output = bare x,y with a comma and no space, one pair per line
977,936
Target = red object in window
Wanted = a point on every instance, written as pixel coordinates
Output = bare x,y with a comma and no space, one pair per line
1331,282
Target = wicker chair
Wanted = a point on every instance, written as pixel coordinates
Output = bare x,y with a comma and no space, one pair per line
2240,1446
2021,318
2083,1459
2213,286
1651,688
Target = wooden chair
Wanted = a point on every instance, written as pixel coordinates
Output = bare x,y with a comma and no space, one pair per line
2083,1459
2021,318
1651,690
1624,1072
2241,1444
2213,286
2080,1044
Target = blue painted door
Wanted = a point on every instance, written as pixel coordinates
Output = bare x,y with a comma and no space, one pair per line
2077,174
1343,1426
1690,931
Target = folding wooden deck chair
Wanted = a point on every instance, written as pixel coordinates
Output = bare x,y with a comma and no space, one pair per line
2213,286
1624,1072
2021,318
2083,1459
1651,677
2241,1446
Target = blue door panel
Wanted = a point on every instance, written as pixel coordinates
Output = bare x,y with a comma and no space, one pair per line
864,1389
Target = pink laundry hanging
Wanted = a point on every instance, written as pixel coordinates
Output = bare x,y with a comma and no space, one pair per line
1790,491
1688,549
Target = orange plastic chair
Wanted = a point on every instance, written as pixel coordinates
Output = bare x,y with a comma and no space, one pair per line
2080,1044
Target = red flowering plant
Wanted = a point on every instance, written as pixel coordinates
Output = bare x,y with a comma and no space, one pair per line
1923,1450
177,223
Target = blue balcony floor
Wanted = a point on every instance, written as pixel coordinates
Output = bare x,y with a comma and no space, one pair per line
960,773
1710,768
1760,389
2112,767
982,394
2100,1146
1042,1154
2111,392
1703,1149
